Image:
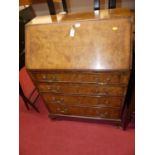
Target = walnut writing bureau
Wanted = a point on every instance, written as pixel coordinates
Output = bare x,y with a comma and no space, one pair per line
81,63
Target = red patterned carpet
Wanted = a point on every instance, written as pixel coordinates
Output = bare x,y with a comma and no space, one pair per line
41,136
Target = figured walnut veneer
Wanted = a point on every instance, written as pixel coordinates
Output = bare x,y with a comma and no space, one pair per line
94,45
86,73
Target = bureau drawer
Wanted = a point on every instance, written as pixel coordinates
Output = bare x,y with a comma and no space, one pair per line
105,78
83,100
85,111
86,89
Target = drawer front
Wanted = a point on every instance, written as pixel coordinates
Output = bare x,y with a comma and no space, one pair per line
83,100
85,111
105,78
86,89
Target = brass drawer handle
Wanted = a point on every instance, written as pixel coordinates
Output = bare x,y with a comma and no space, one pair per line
62,110
53,78
59,101
107,80
54,89
101,83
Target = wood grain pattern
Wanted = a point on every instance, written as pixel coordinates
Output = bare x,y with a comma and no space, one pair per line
85,111
83,100
94,46
87,89
85,75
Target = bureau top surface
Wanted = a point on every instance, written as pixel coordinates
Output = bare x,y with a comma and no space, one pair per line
69,17
96,40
